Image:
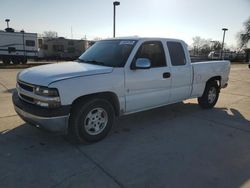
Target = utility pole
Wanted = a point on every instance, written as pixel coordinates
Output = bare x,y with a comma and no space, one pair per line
71,32
115,3
7,21
222,46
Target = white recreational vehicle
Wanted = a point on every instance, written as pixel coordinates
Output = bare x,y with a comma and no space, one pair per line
17,47
227,55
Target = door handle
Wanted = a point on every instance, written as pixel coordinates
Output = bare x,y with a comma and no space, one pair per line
166,75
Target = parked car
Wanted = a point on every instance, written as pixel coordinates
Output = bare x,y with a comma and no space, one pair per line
115,77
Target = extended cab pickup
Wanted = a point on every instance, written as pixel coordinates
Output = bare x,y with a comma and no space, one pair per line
115,77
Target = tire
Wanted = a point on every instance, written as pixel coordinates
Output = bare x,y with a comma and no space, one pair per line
210,95
24,61
90,120
15,61
6,61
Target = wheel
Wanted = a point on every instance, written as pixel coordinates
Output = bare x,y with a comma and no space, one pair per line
24,60
90,120
15,61
6,61
210,95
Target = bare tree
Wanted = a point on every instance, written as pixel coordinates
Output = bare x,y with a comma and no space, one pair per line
197,42
50,34
244,36
201,46
97,38
217,45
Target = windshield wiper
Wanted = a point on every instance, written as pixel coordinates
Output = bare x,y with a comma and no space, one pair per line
80,60
92,62
95,62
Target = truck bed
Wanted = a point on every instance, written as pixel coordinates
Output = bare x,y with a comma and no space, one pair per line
203,71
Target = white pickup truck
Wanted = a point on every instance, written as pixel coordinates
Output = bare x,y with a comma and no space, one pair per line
115,77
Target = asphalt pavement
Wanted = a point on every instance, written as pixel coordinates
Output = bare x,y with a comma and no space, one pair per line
179,145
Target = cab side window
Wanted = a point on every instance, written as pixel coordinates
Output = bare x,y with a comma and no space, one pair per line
152,50
177,54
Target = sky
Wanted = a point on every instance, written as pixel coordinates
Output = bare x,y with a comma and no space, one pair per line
182,19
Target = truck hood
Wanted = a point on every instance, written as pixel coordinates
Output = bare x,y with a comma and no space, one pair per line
46,74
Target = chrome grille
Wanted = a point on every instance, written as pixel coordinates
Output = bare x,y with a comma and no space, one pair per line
25,86
25,91
26,98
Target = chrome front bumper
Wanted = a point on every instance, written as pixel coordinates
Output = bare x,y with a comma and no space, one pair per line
55,120
55,124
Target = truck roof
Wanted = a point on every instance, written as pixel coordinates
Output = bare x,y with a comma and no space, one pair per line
144,38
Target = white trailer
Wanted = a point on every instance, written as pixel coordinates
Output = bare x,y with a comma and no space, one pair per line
17,47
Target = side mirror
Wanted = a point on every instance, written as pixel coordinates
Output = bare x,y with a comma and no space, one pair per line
142,63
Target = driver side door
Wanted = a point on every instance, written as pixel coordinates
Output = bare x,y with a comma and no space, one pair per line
148,88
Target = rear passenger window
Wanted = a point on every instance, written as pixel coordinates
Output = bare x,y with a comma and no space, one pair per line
153,50
177,54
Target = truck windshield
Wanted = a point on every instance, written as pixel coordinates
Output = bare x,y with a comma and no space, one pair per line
112,53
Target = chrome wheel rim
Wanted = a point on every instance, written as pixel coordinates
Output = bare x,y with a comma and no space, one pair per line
212,95
96,121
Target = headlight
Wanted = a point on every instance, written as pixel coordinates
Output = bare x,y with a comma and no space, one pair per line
44,91
47,97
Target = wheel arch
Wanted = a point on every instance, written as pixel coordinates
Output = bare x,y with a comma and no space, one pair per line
215,78
109,96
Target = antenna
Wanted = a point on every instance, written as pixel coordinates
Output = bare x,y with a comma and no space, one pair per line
71,33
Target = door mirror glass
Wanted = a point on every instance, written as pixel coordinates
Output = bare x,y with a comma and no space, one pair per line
142,63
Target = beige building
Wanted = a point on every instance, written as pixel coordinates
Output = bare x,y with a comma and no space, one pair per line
61,48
